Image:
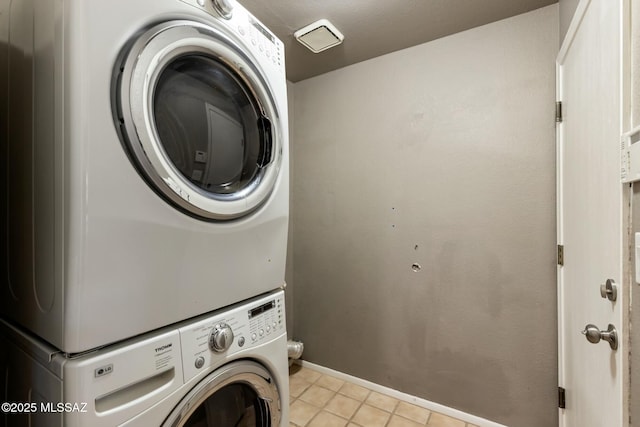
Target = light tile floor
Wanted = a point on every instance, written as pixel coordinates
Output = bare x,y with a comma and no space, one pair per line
319,400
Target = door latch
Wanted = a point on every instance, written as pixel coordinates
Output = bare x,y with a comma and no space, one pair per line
609,290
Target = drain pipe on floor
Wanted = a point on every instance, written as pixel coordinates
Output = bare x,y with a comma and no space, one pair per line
294,350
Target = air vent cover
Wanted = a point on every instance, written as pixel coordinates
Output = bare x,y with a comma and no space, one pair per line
319,36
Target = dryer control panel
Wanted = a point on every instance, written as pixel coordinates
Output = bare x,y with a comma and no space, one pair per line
212,340
263,43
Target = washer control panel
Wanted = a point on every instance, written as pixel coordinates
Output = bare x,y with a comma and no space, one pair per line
211,339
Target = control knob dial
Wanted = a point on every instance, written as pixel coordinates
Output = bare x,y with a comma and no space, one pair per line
223,7
221,337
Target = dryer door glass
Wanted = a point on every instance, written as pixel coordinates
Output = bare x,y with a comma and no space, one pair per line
210,126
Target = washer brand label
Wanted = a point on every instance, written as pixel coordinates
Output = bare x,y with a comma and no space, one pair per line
163,356
103,370
164,347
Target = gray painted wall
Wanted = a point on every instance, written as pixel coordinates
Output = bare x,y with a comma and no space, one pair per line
567,9
440,155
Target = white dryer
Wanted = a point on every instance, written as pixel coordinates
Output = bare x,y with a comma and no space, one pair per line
227,369
147,172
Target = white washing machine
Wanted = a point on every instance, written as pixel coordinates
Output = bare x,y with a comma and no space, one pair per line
227,369
146,179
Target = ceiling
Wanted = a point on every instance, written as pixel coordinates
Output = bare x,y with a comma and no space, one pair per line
375,27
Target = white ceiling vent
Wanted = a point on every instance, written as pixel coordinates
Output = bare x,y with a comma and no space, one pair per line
319,36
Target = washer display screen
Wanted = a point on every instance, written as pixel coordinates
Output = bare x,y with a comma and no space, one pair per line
263,308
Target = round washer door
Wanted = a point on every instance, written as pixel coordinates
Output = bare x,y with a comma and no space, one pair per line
241,394
198,120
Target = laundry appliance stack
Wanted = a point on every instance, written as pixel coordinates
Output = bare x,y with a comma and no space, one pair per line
145,214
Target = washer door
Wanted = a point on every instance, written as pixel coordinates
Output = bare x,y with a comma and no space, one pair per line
198,120
241,394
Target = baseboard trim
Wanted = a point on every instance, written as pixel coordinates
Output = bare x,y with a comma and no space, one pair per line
423,403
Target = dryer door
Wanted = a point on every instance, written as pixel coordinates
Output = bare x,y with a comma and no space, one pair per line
242,394
198,120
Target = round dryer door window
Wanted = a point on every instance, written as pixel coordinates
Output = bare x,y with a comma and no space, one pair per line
242,394
198,120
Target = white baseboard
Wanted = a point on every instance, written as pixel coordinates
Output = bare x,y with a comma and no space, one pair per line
423,403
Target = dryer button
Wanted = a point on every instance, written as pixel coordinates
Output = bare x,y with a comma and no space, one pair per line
240,341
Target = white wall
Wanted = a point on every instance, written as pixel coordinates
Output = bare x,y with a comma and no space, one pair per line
441,155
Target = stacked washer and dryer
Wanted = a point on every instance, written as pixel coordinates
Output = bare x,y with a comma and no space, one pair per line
145,191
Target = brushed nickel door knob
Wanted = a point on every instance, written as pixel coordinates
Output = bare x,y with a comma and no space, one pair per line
594,335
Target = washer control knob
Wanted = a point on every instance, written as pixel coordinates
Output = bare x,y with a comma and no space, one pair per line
223,7
221,337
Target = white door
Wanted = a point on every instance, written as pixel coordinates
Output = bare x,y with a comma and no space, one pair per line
590,225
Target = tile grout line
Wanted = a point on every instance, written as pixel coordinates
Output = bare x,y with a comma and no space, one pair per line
433,407
350,420
390,415
361,402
